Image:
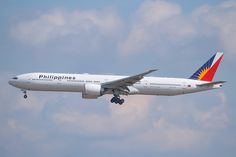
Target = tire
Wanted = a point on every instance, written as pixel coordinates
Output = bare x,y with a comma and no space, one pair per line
121,101
112,100
25,96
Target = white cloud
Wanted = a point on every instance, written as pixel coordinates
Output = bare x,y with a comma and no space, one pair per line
219,22
157,24
143,124
32,104
185,126
215,118
177,125
56,25
23,130
16,101
160,25
169,137
120,120
17,114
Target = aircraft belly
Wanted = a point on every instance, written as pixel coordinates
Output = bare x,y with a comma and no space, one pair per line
54,86
161,91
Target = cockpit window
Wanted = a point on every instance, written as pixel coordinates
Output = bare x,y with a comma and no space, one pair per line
15,78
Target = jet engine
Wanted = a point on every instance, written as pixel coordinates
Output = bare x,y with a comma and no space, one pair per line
91,91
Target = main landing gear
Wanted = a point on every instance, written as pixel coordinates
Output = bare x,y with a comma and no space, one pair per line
117,100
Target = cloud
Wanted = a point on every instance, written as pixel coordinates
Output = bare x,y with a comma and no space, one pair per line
218,22
161,27
176,125
143,124
33,103
156,24
215,118
19,119
119,121
169,137
86,30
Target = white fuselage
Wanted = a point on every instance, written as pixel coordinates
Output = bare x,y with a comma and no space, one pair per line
77,82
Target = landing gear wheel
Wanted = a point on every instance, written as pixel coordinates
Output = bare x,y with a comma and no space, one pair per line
112,99
24,92
117,100
121,101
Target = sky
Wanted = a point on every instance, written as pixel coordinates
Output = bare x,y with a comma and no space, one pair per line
124,38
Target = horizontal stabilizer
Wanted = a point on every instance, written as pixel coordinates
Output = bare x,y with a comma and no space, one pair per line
210,84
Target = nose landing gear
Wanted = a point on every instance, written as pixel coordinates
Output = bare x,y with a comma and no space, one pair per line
25,94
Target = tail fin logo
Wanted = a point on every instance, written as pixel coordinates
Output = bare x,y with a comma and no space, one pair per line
207,71
203,73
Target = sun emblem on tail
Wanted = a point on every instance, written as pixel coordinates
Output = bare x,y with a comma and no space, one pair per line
203,73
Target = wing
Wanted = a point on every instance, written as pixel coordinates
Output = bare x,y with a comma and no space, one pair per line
122,84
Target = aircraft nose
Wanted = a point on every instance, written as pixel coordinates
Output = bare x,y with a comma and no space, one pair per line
13,81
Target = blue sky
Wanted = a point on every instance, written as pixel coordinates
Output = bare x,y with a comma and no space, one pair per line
117,37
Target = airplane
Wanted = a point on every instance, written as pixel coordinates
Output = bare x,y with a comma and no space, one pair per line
94,86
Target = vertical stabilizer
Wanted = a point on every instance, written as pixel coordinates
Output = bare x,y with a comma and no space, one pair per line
207,71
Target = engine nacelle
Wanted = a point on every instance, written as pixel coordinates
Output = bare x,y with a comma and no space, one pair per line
91,91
